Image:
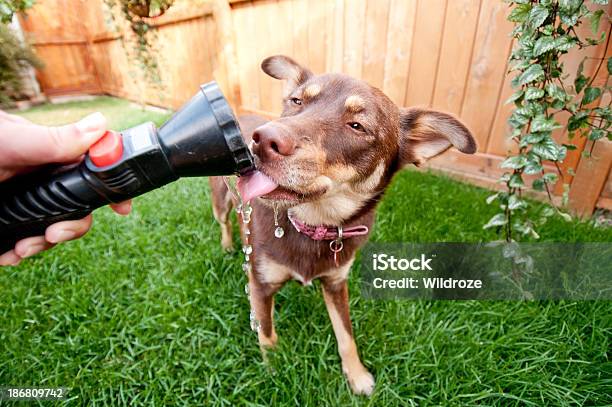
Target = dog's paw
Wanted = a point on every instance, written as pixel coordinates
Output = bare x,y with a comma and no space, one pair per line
227,245
267,342
360,380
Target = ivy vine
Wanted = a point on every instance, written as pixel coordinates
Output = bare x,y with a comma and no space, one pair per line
10,7
136,12
544,31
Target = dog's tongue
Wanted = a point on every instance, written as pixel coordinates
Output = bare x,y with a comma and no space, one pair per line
254,185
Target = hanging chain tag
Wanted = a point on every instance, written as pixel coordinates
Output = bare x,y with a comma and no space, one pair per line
278,230
337,245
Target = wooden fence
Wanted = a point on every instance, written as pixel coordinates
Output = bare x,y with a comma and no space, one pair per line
448,54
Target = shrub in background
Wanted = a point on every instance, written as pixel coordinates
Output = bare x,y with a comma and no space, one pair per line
14,58
14,55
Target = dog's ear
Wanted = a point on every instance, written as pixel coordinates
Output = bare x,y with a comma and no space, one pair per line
283,67
426,133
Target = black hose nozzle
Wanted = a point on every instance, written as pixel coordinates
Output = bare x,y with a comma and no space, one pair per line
201,139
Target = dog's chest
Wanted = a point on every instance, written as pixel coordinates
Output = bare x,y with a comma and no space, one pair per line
295,255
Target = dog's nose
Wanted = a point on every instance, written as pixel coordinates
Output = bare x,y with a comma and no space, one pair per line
271,143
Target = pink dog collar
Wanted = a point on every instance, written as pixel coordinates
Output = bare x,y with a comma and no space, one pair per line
323,232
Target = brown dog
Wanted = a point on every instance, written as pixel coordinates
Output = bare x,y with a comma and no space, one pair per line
332,153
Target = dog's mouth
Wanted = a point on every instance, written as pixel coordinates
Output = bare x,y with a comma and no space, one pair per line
258,184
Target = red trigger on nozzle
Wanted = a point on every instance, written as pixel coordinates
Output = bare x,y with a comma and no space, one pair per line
108,150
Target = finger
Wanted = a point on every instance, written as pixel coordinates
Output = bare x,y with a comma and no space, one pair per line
30,144
6,173
123,208
9,259
13,118
30,246
68,230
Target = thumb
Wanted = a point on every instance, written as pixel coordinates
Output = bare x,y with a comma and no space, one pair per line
31,144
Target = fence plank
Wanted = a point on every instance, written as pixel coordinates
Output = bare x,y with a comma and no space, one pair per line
425,52
335,52
300,31
354,29
402,16
590,178
317,34
375,41
487,70
244,29
460,27
225,49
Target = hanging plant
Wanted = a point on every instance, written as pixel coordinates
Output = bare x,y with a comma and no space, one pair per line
544,31
136,13
144,8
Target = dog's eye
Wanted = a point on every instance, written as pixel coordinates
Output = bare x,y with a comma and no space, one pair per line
356,126
296,101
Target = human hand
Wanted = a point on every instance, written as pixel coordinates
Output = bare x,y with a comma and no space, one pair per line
24,146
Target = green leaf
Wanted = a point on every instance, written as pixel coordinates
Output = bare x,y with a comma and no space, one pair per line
558,104
533,73
542,123
610,66
590,95
497,220
516,181
578,120
569,19
533,168
519,13
514,162
564,43
550,178
538,184
594,19
602,2
570,146
562,153
569,4
555,91
520,65
533,93
547,150
531,138
597,134
529,109
569,11
548,29
543,44
580,67
566,217
515,96
491,198
538,15
515,203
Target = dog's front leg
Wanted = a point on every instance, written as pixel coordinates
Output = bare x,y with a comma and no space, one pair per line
262,302
336,298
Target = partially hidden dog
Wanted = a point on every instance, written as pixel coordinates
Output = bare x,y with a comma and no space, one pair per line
326,163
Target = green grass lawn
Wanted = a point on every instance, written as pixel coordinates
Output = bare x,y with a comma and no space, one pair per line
148,310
